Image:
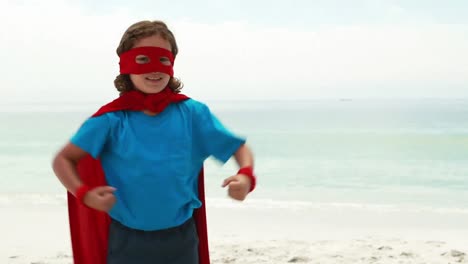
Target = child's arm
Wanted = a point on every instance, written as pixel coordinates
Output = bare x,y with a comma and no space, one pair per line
64,165
240,184
244,157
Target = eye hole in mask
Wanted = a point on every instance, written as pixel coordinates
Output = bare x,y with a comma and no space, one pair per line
143,59
165,61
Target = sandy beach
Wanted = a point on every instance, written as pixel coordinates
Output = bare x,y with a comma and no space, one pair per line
240,234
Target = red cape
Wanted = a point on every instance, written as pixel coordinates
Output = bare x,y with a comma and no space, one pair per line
90,228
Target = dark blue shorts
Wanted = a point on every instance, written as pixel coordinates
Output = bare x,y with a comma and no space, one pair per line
176,245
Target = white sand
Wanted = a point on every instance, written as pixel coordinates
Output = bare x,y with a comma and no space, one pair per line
241,234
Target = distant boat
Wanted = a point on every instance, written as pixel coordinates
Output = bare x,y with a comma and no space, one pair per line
346,99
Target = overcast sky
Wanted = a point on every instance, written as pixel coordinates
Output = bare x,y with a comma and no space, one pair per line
64,50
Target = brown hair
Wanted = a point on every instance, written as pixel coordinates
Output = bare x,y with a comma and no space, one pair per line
136,32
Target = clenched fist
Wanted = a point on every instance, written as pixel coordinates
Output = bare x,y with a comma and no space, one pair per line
101,198
238,186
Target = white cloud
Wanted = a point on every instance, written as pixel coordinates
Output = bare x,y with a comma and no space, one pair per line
57,51
326,62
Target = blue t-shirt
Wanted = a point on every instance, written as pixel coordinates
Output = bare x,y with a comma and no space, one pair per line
154,161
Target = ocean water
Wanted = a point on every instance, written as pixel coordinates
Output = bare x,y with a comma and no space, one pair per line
378,154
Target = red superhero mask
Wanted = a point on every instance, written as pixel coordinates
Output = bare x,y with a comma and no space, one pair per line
146,60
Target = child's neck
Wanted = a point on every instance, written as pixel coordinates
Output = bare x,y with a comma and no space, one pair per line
150,113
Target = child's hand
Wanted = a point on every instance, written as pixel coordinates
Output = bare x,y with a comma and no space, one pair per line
101,198
239,186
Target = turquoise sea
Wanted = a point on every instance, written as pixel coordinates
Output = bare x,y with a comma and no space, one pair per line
383,154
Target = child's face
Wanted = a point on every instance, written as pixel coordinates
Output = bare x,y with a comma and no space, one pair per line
153,82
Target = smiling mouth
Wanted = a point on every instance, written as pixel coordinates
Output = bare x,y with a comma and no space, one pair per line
154,78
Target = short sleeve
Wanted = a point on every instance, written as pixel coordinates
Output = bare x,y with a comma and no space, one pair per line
92,135
211,138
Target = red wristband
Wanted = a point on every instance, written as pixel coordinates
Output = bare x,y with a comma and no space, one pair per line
81,192
248,171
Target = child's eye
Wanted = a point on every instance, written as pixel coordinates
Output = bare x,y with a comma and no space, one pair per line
165,61
142,59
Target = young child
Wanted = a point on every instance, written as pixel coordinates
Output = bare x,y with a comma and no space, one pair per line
134,170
